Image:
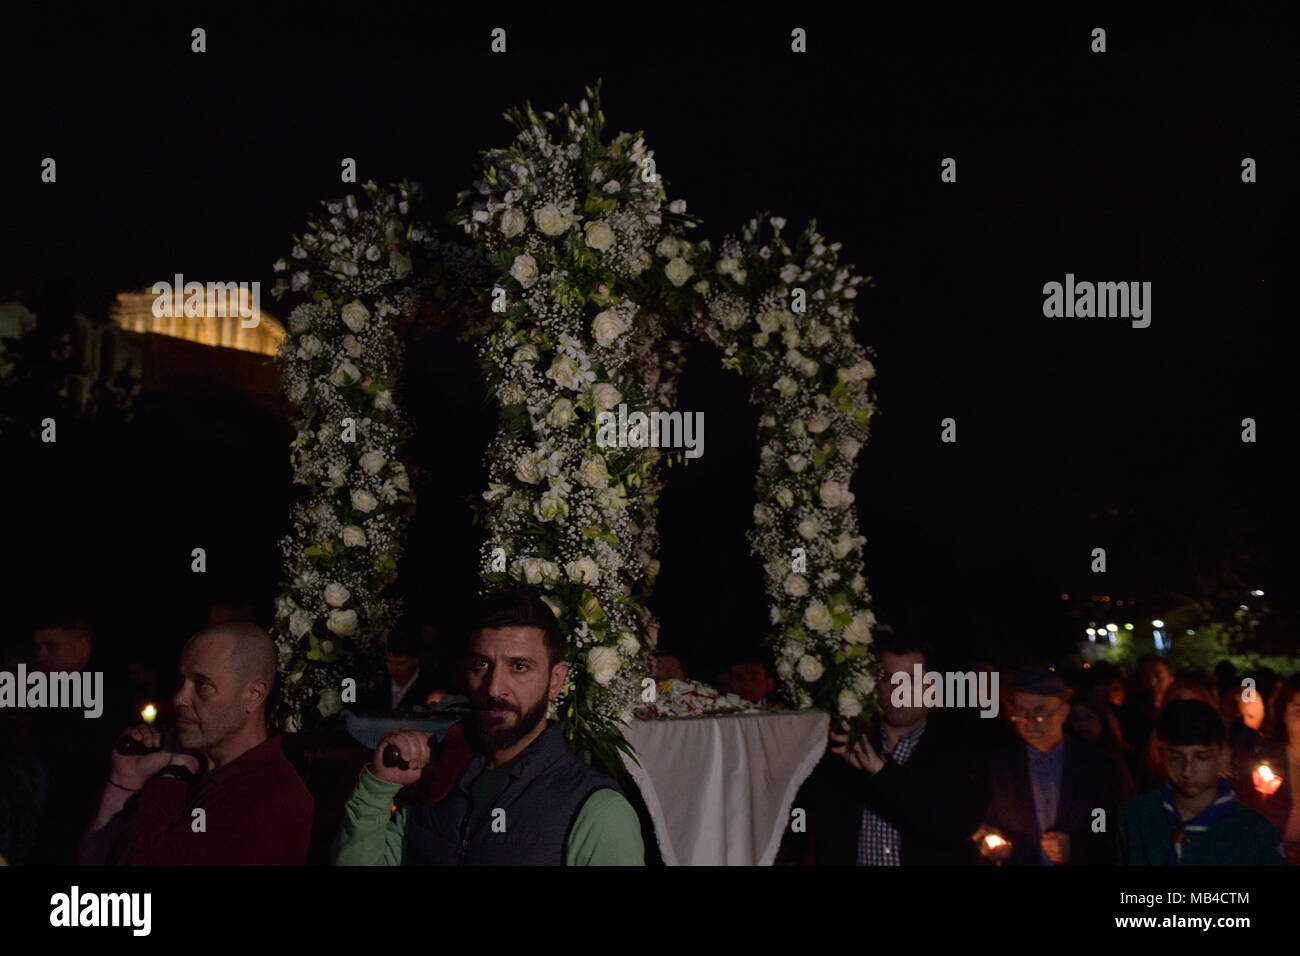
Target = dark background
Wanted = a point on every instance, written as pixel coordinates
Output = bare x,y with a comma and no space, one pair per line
1073,433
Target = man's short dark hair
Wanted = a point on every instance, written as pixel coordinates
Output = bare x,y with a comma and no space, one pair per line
900,642
1189,723
521,607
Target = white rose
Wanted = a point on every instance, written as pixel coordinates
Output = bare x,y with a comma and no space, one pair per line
342,623
336,595
668,247
512,222
628,645
583,571
299,623
495,491
835,494
809,528
384,400
810,668
353,537
355,316
848,704
524,269
364,501
550,507
532,570
550,220
593,474
818,424
859,584
399,263
346,373
817,616
760,339
550,571
608,326
605,396
791,338
309,346
373,462
526,469
849,447
336,476
769,321
864,684
330,702
845,543
796,585
352,346
525,355
401,482
786,386
561,413
678,271
603,663
784,497
858,630
564,371
642,262
797,463
599,236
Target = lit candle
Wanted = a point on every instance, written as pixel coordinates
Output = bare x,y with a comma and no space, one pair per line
149,713
993,841
1266,781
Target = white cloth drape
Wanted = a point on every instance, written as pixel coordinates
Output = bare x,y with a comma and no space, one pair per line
719,789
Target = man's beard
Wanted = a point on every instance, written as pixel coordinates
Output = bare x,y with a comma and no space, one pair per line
493,739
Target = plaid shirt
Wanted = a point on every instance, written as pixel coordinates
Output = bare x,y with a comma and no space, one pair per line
879,844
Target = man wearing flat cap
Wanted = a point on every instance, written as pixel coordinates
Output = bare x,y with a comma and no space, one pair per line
1048,788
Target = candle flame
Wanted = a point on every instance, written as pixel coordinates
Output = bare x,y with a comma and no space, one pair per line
993,841
149,713
1266,773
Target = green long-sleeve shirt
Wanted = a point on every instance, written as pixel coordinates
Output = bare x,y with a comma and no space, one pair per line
605,833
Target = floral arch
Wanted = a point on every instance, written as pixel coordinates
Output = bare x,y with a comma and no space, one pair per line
582,282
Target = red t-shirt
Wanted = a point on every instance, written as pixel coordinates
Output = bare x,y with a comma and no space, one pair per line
256,811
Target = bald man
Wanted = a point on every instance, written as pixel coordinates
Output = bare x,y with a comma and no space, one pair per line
226,795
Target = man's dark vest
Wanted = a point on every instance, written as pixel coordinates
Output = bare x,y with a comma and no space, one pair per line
547,787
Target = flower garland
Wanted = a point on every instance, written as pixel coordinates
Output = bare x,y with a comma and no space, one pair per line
783,318
568,223
342,361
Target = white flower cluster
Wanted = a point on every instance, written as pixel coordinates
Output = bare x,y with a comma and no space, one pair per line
342,358
783,318
569,223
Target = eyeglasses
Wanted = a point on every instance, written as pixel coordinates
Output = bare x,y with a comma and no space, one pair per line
1037,717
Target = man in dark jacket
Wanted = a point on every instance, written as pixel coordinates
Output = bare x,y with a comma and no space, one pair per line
1048,788
908,794
522,798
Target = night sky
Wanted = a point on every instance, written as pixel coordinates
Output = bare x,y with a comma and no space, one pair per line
1123,166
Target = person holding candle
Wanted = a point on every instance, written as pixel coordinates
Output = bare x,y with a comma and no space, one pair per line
1274,767
1196,819
255,810
1047,787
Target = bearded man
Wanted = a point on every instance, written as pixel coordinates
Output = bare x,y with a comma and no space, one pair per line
522,798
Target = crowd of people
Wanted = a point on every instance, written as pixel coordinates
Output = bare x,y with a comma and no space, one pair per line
1087,767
